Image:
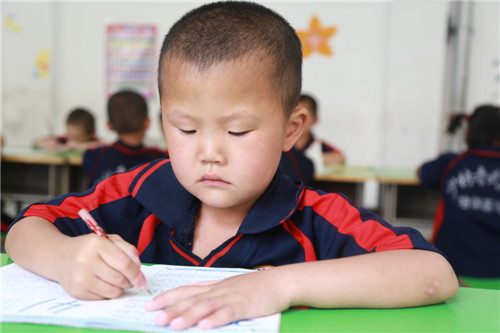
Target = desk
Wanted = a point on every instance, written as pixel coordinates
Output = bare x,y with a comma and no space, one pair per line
472,310
31,175
349,180
402,201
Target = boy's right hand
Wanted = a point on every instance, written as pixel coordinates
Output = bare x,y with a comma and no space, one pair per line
93,267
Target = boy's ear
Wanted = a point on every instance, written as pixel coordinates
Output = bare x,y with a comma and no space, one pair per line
147,122
110,126
294,127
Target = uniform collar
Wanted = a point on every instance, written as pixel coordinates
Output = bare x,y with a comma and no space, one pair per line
120,143
165,197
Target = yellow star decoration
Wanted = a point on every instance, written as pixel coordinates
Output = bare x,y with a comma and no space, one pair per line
316,39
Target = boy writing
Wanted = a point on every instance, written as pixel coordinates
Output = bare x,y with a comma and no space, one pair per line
80,133
128,116
230,80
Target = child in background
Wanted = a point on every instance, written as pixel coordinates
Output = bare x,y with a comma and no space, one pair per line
80,133
466,225
330,154
229,82
128,117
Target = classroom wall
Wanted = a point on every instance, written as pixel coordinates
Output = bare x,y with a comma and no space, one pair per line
380,93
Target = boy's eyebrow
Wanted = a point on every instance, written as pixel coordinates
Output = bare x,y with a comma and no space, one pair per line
242,115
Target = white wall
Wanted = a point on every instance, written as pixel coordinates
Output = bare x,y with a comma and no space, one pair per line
27,99
483,83
380,94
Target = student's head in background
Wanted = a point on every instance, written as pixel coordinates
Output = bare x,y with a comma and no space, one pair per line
128,112
80,126
484,126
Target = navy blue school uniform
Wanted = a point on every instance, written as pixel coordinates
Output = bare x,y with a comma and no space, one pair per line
102,162
467,221
296,165
290,223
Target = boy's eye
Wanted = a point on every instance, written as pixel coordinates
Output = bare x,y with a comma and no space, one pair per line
238,133
187,131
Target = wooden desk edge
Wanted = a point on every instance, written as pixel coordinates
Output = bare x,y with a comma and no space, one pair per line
34,159
343,178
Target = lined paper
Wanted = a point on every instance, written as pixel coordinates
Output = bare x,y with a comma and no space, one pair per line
29,298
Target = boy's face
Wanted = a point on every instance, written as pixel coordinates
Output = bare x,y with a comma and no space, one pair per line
225,130
76,133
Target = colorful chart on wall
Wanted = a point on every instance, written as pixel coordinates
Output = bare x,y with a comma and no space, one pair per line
131,58
316,38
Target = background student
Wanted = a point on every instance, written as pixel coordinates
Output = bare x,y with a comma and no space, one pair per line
80,133
467,221
128,117
229,82
307,142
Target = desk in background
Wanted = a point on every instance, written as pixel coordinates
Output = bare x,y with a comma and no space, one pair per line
472,310
402,201
31,175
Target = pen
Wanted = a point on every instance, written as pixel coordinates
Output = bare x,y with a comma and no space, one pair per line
94,226
91,223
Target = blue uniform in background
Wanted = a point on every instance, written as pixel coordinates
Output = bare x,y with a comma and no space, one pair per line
289,223
467,222
102,162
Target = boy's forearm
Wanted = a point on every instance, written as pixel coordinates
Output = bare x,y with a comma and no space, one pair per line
399,278
35,244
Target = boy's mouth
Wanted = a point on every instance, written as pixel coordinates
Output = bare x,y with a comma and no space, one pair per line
211,179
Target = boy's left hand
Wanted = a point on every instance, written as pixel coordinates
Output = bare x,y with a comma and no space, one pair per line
217,303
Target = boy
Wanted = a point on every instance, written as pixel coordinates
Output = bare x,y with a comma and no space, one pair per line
128,116
80,133
330,154
229,80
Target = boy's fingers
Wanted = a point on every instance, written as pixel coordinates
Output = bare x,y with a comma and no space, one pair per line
128,248
199,308
105,289
172,296
221,317
109,275
121,262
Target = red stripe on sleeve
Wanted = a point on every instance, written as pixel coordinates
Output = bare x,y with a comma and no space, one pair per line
223,252
310,254
192,260
146,175
369,234
438,220
113,188
147,231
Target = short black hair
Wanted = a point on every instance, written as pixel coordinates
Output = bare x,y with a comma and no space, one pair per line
127,111
484,126
82,118
231,30
311,100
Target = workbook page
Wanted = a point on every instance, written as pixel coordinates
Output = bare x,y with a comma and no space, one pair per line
29,298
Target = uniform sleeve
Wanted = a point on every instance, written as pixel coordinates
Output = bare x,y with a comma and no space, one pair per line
432,171
343,230
109,202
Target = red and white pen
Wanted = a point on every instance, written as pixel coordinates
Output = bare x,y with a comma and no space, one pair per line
91,223
94,226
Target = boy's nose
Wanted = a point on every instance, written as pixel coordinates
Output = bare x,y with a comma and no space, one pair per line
212,150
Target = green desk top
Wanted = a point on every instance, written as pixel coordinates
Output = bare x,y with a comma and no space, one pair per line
472,310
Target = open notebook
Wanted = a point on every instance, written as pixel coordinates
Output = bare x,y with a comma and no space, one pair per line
29,298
